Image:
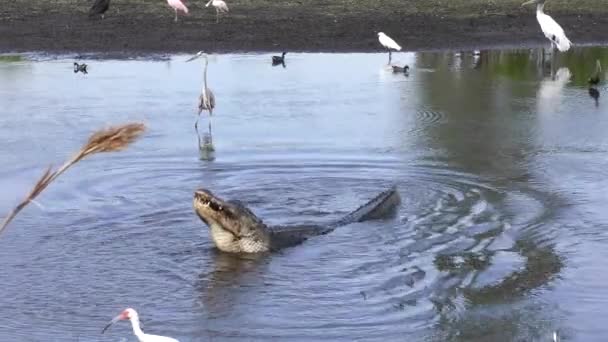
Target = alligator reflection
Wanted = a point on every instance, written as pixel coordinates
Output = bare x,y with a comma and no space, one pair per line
218,290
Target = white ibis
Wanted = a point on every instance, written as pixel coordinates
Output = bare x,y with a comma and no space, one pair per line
550,27
131,314
388,43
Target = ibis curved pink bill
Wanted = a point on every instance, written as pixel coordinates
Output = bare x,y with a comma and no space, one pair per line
131,315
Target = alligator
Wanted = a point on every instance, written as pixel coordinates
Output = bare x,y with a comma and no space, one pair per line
236,229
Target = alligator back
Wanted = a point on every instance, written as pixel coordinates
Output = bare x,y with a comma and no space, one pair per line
381,206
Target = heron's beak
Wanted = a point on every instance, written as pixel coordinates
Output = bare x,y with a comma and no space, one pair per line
528,3
209,3
192,58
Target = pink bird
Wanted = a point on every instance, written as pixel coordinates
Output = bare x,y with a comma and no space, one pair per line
178,5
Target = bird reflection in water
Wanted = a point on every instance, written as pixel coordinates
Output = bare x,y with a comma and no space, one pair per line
594,81
205,145
595,94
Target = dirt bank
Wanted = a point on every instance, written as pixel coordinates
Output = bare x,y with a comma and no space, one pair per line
138,26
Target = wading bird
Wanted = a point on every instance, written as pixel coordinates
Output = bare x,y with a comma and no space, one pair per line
276,60
595,78
80,67
220,7
177,5
131,314
550,27
206,100
99,8
388,43
404,69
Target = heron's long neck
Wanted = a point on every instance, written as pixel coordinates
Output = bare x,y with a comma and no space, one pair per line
205,74
540,8
136,328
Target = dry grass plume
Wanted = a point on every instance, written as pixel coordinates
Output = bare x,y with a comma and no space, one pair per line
111,139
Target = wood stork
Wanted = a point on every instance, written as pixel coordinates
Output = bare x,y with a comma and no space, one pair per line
177,5
595,78
99,8
388,43
220,7
206,100
131,314
550,27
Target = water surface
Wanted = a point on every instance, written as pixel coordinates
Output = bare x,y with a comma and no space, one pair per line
500,158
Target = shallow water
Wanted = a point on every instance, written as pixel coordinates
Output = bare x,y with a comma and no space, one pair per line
500,159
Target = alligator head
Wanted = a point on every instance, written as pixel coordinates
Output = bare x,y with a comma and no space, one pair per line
234,228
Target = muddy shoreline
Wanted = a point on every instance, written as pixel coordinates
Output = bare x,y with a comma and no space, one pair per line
132,28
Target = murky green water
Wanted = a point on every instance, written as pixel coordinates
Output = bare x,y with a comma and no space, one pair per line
500,158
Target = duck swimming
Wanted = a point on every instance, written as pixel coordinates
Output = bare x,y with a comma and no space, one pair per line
279,59
80,67
403,69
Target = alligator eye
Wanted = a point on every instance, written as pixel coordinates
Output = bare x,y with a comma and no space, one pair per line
214,206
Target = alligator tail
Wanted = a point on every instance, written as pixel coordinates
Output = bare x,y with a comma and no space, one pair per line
381,206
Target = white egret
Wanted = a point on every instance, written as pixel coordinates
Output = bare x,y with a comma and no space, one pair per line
388,43
550,27
131,315
220,7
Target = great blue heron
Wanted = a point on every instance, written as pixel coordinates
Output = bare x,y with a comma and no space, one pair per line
206,100
595,78
550,27
99,8
220,7
177,5
388,43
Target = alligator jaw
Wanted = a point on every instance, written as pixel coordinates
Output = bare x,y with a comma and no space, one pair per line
233,227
